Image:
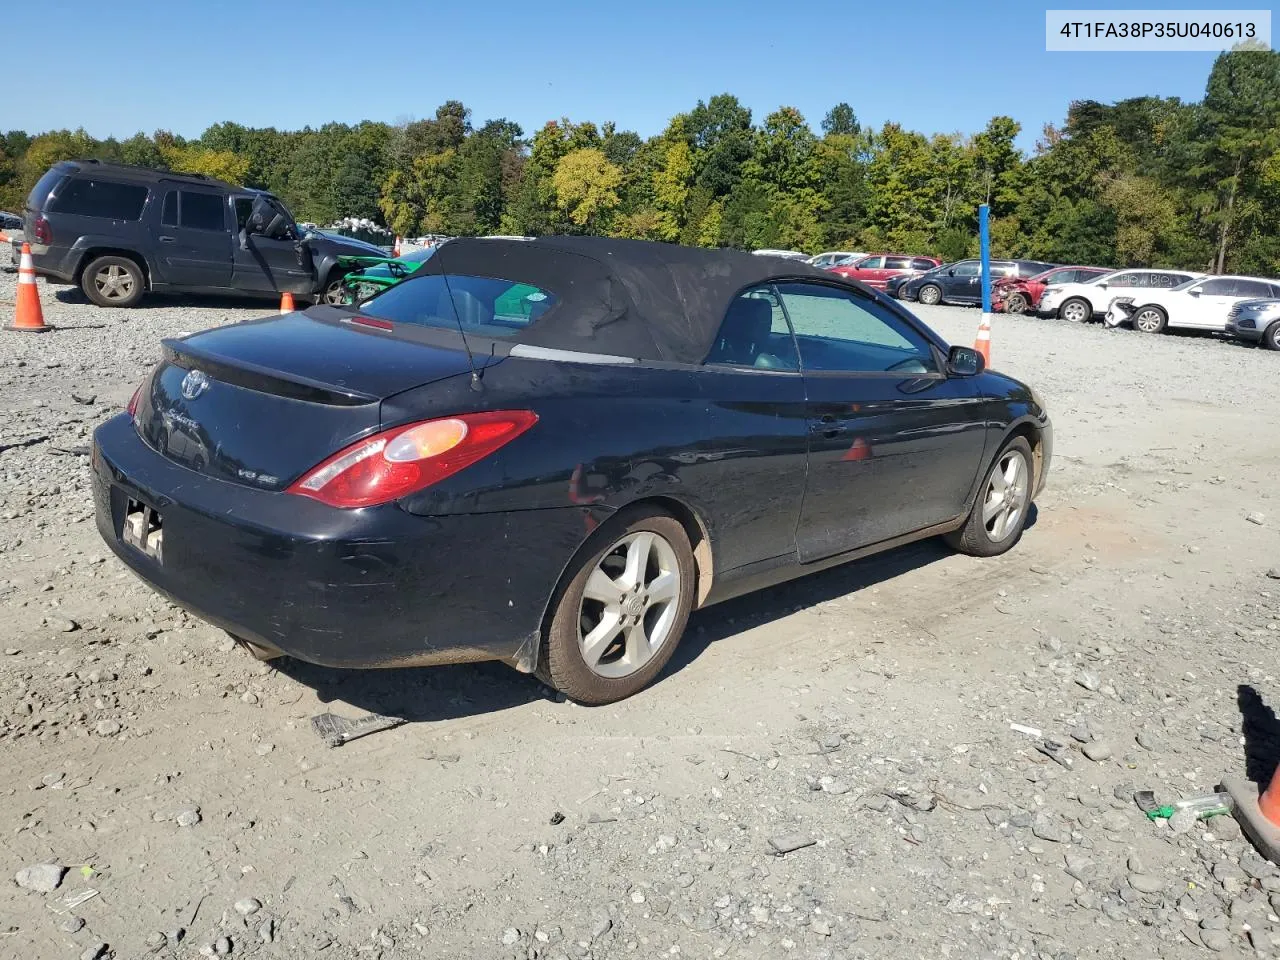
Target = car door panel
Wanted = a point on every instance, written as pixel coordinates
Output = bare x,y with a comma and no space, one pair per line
887,457
194,240
269,265
894,444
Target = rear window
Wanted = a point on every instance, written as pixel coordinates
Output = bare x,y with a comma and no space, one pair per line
919,263
483,305
40,192
101,198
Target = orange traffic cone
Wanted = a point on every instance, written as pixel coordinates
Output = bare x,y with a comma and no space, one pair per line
395,251
28,317
286,302
983,343
1258,813
4,237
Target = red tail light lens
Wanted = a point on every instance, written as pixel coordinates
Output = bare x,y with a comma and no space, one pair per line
408,458
133,401
44,233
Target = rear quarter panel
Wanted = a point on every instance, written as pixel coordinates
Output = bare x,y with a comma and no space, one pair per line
729,448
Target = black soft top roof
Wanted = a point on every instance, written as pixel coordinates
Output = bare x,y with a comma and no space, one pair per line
629,298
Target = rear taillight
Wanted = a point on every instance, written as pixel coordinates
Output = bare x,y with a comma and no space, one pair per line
43,232
408,458
133,401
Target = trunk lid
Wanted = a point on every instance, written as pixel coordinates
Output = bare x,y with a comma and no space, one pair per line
259,403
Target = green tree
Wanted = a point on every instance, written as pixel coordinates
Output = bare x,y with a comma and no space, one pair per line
586,186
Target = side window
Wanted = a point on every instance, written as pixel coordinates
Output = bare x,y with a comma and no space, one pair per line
1162,280
838,331
967,268
1252,288
1123,280
919,263
871,263
1222,287
897,263
244,207
169,215
101,198
202,211
754,333
1062,276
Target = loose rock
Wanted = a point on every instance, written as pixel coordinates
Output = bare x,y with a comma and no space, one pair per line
41,877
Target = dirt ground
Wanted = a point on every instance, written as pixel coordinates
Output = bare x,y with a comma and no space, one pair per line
866,710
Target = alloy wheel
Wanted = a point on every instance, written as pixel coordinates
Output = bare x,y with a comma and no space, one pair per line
930,295
1006,496
1148,320
114,282
1075,311
1016,303
629,605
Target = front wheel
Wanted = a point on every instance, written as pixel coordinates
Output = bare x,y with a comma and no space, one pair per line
1017,303
1149,319
1271,339
1076,310
334,293
621,615
930,294
999,514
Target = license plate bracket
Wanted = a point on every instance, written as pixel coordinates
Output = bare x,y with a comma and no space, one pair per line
143,529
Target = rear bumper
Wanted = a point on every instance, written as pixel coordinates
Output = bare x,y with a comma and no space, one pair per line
344,588
56,263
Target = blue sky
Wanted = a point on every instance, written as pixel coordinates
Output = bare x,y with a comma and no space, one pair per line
930,65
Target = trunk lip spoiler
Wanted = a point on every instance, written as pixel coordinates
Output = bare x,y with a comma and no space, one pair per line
252,376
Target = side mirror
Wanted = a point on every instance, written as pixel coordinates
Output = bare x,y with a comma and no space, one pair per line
951,272
1102,285
965,362
1194,293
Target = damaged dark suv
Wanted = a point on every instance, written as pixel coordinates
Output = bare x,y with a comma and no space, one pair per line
119,231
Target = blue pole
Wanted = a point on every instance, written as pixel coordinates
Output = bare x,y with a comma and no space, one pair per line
984,238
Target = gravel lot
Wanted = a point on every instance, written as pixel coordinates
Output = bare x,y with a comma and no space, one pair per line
866,710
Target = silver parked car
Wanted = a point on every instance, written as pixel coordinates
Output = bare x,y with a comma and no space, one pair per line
1257,321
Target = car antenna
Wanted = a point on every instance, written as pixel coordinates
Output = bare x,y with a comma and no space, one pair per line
471,361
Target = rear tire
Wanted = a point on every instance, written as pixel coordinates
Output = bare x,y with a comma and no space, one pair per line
999,513
1149,320
113,281
930,294
630,587
1271,339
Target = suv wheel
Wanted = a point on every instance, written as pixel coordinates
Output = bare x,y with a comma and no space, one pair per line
1150,319
1271,339
930,294
113,282
1076,310
334,293
1017,303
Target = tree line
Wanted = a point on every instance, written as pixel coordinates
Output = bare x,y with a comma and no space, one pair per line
1148,181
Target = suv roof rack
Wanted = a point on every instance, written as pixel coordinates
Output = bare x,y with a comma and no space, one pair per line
154,172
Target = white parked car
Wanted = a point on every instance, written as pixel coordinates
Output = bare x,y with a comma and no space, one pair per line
1200,304
834,258
1082,301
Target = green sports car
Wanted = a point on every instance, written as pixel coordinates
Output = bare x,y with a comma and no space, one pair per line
370,275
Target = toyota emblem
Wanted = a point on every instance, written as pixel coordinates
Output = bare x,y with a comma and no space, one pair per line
194,384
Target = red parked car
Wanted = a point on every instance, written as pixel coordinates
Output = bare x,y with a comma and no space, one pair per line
876,269
1014,295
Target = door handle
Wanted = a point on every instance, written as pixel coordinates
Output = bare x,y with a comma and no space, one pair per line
828,427
168,239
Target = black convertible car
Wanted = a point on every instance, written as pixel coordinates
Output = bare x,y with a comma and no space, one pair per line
549,453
